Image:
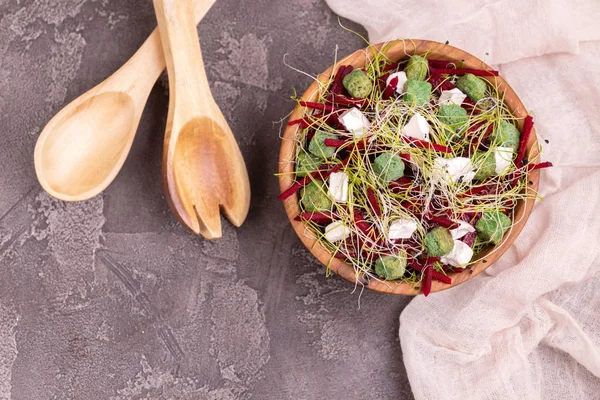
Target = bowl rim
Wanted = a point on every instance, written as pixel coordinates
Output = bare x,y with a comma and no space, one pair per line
397,50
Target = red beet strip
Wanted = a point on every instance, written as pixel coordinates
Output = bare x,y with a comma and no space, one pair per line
469,105
468,102
414,208
334,142
441,221
427,281
447,85
316,217
373,202
476,142
381,82
427,145
530,167
348,101
359,145
343,256
545,164
302,123
469,238
404,180
316,106
390,89
463,71
361,223
438,276
405,157
515,179
336,86
333,120
390,67
437,81
449,213
470,216
527,128
441,277
367,230
439,63
295,187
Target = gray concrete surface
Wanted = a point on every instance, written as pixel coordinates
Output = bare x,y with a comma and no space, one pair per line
112,298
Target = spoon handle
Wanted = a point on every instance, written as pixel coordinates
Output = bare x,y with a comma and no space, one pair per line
147,64
189,90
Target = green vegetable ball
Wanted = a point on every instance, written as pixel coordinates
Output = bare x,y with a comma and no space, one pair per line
391,267
306,163
388,166
454,117
317,145
492,226
358,84
314,198
417,92
472,86
507,135
487,162
438,242
417,68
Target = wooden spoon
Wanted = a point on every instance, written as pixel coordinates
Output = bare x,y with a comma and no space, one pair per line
203,169
82,149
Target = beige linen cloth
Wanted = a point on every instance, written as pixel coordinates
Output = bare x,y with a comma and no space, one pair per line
528,327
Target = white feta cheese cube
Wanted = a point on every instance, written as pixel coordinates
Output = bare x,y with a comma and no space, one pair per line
338,187
401,229
448,170
503,157
336,231
461,254
355,122
454,96
417,127
402,78
462,229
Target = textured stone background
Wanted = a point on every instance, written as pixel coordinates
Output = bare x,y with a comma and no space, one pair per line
112,298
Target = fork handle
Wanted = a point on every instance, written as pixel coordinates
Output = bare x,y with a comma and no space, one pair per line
189,91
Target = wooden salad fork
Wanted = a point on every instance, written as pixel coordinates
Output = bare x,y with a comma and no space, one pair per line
203,168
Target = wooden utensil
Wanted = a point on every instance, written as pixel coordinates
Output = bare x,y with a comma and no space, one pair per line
395,52
203,169
83,147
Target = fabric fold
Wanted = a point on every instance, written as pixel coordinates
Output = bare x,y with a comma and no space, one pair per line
528,327
496,31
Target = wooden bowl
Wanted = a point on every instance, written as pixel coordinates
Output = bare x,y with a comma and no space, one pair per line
397,51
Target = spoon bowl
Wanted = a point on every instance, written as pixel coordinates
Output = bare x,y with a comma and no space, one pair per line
74,143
